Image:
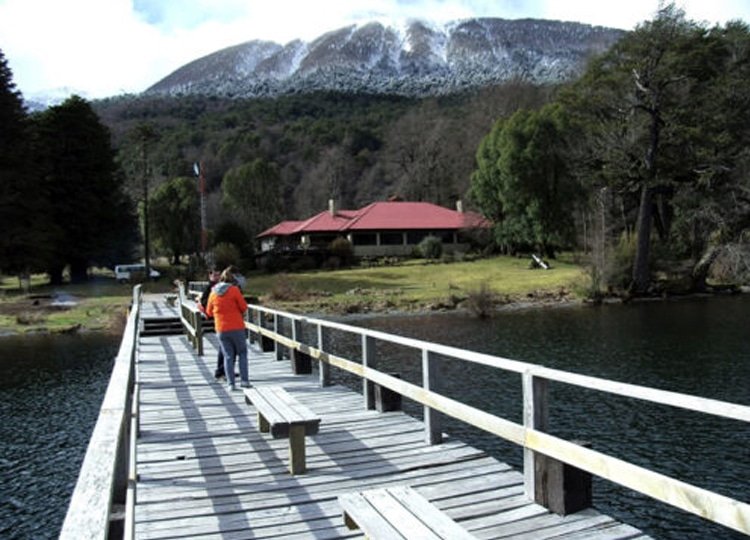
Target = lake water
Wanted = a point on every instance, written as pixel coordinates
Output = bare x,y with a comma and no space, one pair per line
697,346
51,390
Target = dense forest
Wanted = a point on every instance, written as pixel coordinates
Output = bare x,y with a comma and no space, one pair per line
642,166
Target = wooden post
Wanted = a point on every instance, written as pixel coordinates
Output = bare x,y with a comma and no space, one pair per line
324,368
562,488
430,381
369,359
296,449
263,425
301,362
567,489
385,398
276,345
535,414
199,332
249,318
266,343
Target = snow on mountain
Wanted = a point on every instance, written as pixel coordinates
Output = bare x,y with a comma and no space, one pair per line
39,101
415,59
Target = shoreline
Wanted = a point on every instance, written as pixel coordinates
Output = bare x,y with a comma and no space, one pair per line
115,323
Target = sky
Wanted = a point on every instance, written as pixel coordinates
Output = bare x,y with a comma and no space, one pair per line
101,48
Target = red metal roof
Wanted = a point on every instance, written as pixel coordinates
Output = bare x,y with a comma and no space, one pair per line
379,216
281,229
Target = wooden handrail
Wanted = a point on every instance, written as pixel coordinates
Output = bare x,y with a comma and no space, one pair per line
102,481
530,435
191,319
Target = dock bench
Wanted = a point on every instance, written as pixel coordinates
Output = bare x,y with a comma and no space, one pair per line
398,512
284,417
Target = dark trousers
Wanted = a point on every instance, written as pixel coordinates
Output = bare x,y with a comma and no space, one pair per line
219,372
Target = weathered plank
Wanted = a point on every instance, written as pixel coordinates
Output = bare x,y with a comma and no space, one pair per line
205,469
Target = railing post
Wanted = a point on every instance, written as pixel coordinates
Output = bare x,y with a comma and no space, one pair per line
324,368
301,362
276,345
199,332
431,381
535,412
249,318
266,343
369,359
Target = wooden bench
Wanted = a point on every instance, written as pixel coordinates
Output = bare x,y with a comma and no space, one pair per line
398,512
283,416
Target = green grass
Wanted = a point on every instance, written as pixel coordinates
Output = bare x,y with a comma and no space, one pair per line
101,305
411,285
416,283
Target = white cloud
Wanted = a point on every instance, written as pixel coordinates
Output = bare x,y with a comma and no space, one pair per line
105,47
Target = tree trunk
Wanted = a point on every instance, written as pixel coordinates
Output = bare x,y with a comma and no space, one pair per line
55,275
641,275
78,272
701,268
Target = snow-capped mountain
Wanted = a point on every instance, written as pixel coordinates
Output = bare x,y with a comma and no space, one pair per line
417,59
39,101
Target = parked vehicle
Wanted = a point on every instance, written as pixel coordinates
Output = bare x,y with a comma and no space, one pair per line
125,273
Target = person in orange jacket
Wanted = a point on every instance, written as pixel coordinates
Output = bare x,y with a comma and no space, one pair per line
227,306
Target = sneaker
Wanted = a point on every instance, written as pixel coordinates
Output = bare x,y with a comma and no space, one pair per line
221,378
245,384
231,387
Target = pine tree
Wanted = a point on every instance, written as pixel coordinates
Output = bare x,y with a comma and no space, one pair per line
24,244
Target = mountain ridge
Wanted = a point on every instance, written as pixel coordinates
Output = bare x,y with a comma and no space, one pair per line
418,59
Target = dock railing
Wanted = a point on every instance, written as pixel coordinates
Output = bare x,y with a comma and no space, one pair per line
101,504
191,317
537,445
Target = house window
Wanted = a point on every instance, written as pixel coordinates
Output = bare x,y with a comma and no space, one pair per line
365,239
391,239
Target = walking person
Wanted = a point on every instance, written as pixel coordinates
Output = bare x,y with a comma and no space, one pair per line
227,306
213,279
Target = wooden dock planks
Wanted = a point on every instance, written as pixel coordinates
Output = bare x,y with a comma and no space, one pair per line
206,471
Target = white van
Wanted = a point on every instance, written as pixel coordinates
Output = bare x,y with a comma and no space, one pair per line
123,272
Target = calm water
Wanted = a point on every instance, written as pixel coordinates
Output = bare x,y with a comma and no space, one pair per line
699,347
51,389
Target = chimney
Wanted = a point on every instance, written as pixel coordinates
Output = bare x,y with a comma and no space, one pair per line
459,206
332,206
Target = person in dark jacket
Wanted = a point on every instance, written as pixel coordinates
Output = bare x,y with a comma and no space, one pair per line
213,279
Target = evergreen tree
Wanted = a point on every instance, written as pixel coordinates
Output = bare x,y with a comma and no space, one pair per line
25,243
253,195
664,116
522,182
175,218
94,220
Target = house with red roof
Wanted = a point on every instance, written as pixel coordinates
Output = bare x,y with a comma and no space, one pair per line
385,228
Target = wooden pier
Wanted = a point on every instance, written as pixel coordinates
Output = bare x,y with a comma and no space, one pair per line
205,469
198,465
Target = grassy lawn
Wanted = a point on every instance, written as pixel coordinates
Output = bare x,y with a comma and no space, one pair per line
101,304
416,284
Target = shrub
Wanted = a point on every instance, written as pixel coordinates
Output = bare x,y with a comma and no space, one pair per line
431,247
481,301
342,249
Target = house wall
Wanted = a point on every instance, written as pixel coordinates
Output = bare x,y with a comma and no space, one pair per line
404,250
